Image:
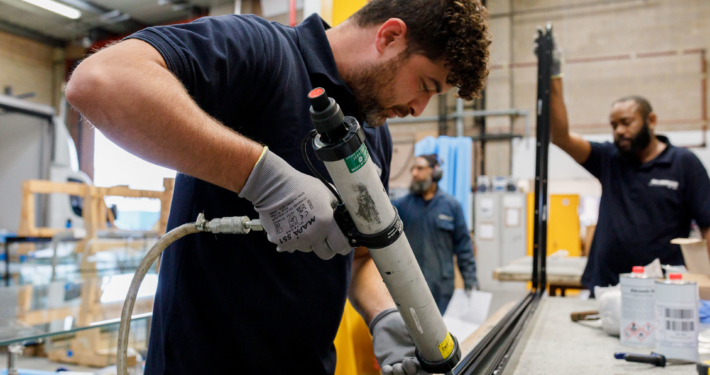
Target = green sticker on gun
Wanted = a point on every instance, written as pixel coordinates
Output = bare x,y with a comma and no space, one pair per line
358,159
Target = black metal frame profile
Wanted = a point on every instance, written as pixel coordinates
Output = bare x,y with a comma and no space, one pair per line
542,155
494,351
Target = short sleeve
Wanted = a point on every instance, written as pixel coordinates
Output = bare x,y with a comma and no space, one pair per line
697,190
600,155
212,56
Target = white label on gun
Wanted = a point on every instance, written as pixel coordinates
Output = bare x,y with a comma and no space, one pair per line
416,320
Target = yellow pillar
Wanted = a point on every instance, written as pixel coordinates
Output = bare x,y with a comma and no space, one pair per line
342,9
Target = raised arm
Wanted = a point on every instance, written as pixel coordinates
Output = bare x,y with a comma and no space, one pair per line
571,143
128,93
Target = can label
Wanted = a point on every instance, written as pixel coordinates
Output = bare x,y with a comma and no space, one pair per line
638,313
358,159
677,311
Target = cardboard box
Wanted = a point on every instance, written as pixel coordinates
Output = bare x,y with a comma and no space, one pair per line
703,284
695,254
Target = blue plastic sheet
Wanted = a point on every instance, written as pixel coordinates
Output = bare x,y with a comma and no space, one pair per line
455,158
704,312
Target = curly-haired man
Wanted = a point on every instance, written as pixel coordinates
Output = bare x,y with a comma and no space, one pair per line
223,101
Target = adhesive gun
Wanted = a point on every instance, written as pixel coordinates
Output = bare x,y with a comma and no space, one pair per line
367,217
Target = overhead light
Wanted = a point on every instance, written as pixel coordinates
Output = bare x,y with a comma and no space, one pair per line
56,7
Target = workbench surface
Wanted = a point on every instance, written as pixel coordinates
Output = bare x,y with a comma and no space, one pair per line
560,270
553,344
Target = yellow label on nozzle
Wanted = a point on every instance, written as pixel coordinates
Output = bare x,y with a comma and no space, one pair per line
446,346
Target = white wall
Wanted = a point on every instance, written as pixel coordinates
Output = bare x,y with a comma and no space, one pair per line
22,141
116,166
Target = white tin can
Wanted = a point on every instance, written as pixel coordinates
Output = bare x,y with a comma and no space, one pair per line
638,313
677,311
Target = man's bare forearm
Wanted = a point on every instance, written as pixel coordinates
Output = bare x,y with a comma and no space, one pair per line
571,143
128,93
368,293
706,235
559,126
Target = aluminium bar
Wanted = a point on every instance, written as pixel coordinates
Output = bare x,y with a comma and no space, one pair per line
464,114
495,137
12,104
459,117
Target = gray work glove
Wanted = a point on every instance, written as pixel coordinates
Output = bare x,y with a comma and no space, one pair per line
296,210
556,68
393,347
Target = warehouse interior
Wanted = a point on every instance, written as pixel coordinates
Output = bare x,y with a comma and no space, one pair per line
83,212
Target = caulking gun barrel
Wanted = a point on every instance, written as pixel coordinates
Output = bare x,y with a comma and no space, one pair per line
340,144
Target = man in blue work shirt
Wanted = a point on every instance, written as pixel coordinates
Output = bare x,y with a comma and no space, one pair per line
436,228
651,190
223,101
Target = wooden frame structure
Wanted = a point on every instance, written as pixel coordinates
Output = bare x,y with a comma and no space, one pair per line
95,212
90,347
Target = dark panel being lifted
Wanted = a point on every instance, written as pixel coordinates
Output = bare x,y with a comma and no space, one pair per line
493,352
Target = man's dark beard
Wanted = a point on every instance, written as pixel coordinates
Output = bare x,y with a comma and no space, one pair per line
638,142
420,187
372,86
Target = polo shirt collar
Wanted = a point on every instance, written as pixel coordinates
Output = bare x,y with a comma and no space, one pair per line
315,49
666,156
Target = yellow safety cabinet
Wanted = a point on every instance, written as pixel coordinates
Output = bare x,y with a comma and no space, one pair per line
353,345
562,225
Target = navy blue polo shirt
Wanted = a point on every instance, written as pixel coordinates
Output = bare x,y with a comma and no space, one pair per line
643,207
231,303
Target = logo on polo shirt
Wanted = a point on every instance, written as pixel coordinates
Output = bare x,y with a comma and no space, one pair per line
666,183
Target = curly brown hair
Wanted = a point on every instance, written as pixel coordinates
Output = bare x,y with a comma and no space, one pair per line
455,31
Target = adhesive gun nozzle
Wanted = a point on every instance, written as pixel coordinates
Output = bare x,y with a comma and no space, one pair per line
319,99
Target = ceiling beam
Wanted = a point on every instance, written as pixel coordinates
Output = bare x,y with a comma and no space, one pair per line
24,32
99,10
